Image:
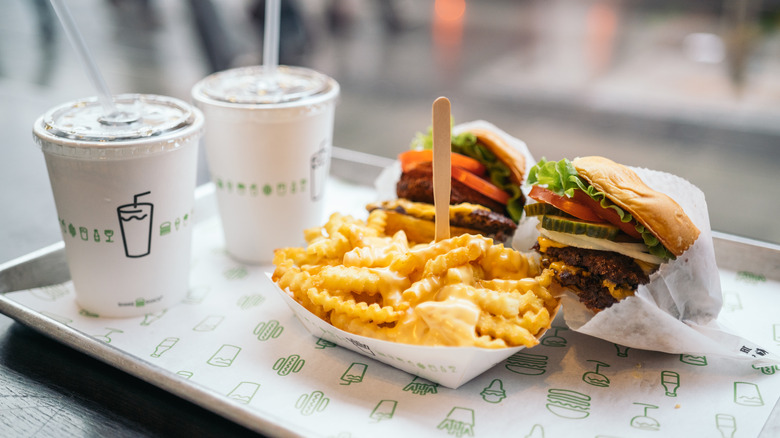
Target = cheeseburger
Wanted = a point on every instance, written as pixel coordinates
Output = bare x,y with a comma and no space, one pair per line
486,197
602,230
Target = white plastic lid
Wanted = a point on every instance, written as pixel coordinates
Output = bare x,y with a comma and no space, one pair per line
255,86
142,124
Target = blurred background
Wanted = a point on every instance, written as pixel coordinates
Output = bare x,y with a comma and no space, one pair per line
691,88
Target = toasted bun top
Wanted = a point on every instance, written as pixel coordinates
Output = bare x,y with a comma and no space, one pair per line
657,212
504,152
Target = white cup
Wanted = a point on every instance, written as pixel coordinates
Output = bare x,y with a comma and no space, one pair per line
268,142
124,189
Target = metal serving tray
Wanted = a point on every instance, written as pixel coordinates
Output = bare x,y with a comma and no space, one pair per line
48,266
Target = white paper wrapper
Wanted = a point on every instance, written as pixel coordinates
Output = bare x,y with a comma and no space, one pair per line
677,311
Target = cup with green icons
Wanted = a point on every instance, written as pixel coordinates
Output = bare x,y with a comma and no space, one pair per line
268,143
119,180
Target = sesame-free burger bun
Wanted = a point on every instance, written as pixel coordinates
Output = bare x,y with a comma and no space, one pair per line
504,152
657,212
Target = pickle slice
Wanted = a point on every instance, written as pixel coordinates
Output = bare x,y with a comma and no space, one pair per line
542,208
567,225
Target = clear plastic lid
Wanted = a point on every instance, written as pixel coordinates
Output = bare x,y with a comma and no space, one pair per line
142,124
255,86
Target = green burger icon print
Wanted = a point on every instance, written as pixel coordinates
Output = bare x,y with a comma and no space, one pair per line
135,223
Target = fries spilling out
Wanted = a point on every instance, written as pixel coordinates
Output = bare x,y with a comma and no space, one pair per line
462,291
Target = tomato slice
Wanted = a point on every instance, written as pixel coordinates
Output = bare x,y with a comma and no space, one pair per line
606,214
482,186
409,158
564,203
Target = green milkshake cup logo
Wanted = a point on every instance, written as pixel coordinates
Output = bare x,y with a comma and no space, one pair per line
135,223
384,410
354,374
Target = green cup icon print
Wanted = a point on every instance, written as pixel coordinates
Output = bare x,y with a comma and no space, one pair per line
135,223
225,356
354,374
290,364
311,403
244,392
384,410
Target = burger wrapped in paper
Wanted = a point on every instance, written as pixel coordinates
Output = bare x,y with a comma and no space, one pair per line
632,250
488,170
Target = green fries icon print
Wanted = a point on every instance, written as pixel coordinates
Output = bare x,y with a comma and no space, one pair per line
459,422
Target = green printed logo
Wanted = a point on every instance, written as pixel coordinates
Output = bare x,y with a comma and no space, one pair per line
527,364
566,403
244,392
184,373
236,273
595,378
88,314
290,364
670,381
644,421
225,356
536,432
312,402
747,394
249,301
420,386
622,351
494,392
164,345
692,359
268,330
768,370
50,293
750,277
384,410
243,188
323,344
459,422
149,318
726,425
354,374
209,323
552,339
731,301
107,336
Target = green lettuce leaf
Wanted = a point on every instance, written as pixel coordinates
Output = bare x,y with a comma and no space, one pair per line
562,178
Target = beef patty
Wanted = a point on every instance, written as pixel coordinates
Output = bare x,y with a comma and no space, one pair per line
595,267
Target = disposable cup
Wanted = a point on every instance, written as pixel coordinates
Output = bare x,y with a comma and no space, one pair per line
123,186
268,143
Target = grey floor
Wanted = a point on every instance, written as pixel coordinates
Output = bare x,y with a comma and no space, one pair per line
647,83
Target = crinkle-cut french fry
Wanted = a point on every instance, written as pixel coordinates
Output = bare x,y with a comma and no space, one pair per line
378,253
362,328
364,312
506,329
422,290
377,220
489,342
454,258
504,304
310,234
331,248
350,278
506,263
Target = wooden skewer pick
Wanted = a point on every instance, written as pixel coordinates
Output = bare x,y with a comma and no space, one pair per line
441,167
